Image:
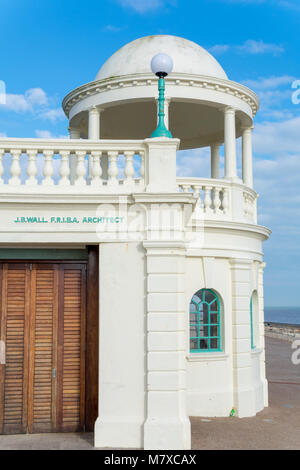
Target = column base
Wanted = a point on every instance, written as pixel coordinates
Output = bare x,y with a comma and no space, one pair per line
118,434
171,434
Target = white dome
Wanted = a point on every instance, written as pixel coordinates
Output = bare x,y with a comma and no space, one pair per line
135,58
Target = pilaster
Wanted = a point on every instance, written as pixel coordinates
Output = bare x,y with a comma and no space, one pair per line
262,331
243,393
167,425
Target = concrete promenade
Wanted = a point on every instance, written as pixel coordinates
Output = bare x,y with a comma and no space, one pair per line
277,427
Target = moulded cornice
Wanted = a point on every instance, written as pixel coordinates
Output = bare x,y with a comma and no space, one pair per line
260,230
181,80
168,198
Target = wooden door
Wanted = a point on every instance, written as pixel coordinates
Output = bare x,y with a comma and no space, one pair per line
43,327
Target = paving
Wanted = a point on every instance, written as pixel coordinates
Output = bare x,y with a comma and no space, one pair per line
277,427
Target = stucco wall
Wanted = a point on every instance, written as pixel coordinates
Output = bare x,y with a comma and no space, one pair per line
122,345
209,375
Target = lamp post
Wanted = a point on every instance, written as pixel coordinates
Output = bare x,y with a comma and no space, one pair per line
161,66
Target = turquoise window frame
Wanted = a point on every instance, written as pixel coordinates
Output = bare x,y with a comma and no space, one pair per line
200,325
251,324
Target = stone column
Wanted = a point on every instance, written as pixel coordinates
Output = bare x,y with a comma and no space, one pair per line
74,134
167,425
262,332
94,124
230,143
215,160
247,156
243,393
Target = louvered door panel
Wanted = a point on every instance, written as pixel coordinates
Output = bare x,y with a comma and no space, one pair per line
43,346
72,340
14,332
42,323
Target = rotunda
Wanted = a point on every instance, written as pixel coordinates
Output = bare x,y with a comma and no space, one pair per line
172,303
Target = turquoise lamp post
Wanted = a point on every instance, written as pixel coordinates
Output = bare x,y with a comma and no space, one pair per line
161,65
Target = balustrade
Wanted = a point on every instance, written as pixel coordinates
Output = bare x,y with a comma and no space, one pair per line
36,166
41,165
215,199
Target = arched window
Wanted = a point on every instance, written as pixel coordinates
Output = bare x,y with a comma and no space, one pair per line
205,322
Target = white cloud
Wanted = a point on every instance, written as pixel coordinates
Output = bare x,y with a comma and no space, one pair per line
53,114
219,49
36,96
2,134
143,6
290,4
16,103
250,46
44,134
194,163
260,47
34,101
272,138
270,82
275,94
112,29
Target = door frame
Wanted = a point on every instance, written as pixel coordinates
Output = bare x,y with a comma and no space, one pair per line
91,327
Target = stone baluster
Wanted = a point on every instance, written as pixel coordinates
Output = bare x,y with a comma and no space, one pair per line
207,198
142,168
64,169
196,188
80,168
186,188
129,169
96,169
216,199
1,166
113,168
197,193
48,168
245,204
225,201
32,168
15,169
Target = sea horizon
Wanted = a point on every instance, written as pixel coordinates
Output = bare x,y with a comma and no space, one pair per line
288,315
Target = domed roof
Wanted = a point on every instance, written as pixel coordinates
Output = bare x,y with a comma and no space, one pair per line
135,57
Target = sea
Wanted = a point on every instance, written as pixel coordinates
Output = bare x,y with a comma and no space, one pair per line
290,315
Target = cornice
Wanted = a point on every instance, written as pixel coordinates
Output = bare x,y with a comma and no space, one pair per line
197,81
260,230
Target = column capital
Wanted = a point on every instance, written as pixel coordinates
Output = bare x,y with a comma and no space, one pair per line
94,110
240,263
228,110
216,144
247,128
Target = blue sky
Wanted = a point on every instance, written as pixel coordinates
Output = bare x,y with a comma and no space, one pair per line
49,47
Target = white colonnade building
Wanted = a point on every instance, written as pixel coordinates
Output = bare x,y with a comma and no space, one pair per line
167,271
